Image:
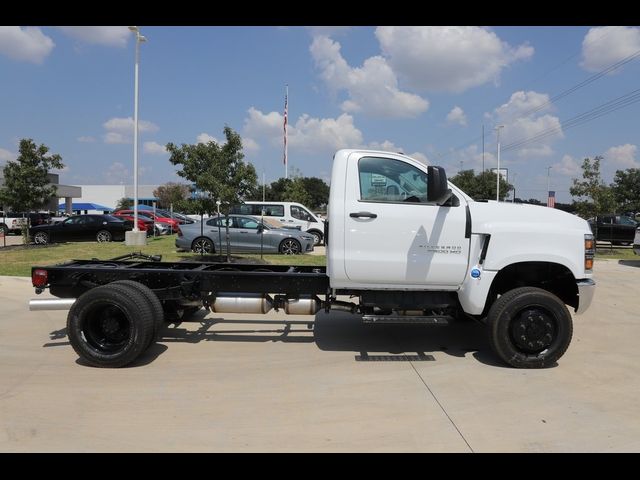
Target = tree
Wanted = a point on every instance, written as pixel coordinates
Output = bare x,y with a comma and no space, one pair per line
318,190
626,190
124,204
171,193
297,192
481,186
27,185
275,192
594,197
217,171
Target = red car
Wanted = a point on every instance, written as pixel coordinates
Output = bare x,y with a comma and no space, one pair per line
173,223
142,225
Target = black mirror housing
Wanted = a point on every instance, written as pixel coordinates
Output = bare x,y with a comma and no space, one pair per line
438,190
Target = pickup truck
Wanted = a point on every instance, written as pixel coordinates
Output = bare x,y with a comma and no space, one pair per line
617,229
12,222
404,246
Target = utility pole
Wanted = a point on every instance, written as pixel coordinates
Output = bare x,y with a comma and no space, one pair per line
497,129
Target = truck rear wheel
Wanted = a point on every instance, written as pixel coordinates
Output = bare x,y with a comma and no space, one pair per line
109,327
529,328
154,303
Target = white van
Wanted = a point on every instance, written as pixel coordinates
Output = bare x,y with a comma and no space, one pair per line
289,214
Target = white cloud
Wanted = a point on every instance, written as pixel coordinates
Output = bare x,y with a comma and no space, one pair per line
108,36
388,146
471,158
120,130
250,145
28,44
567,166
604,46
6,155
206,138
457,115
86,139
623,156
520,123
307,135
154,148
372,88
450,59
117,173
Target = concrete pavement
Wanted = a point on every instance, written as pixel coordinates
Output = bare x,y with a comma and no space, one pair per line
239,384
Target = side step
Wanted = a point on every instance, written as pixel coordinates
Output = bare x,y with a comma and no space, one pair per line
400,319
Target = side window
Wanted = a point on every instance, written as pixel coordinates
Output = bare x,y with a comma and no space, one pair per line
390,180
248,223
273,211
221,221
300,213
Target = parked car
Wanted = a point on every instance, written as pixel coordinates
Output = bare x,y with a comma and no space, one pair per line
158,218
11,222
289,214
145,224
245,235
101,228
617,229
161,227
636,242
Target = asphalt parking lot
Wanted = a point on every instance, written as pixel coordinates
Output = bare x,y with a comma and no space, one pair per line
238,384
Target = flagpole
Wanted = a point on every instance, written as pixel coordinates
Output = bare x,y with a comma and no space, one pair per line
286,107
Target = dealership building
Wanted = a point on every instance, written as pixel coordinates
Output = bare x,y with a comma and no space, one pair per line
66,193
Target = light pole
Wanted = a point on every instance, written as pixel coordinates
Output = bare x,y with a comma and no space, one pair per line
136,238
548,183
497,129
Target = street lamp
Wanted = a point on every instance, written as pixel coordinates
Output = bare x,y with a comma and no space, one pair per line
497,129
136,237
548,183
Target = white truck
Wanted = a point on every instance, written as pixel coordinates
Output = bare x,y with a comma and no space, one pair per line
402,242
12,222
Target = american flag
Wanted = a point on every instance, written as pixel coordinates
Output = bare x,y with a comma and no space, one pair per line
285,126
551,201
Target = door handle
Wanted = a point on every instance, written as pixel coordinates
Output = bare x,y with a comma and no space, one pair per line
363,215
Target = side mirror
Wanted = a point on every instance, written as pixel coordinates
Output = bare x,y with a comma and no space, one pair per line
437,187
260,228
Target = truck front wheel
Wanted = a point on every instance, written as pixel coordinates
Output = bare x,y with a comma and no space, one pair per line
529,327
110,326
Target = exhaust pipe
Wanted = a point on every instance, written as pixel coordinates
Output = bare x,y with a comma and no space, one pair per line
37,304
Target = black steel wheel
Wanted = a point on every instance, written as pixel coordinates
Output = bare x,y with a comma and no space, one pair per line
104,236
203,245
110,326
529,327
154,303
41,238
290,246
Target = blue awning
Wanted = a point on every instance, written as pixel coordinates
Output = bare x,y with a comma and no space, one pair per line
85,206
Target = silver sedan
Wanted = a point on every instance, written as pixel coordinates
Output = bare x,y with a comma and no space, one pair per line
245,235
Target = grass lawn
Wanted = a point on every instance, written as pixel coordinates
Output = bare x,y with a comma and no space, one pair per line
606,252
17,261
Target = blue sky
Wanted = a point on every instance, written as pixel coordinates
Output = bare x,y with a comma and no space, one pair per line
425,91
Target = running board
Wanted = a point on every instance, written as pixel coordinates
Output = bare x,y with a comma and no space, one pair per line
400,319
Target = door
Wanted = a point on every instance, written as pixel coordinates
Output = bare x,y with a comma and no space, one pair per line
300,217
246,234
69,230
393,236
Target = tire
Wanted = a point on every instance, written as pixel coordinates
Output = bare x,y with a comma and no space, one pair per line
109,327
154,303
41,238
317,237
203,245
104,236
529,328
290,246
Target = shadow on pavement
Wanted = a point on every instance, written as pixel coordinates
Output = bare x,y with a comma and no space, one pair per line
630,263
345,332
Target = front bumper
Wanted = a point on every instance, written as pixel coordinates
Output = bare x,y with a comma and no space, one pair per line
586,290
